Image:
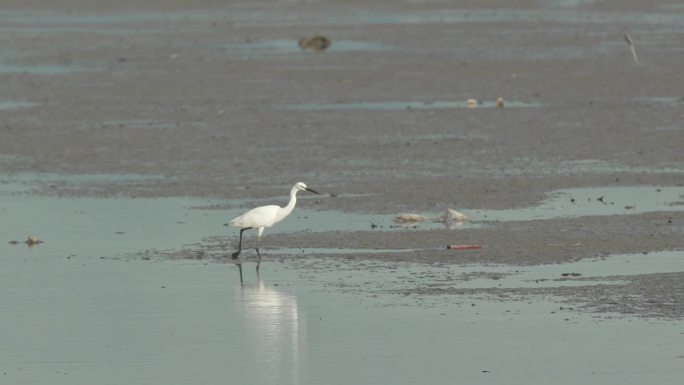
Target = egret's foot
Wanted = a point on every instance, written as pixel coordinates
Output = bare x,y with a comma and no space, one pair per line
236,254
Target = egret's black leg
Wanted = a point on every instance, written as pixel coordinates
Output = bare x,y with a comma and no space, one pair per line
240,269
237,253
257,269
257,250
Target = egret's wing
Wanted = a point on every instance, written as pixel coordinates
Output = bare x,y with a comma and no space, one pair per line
263,216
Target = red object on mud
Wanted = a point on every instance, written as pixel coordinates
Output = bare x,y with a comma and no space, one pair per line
464,247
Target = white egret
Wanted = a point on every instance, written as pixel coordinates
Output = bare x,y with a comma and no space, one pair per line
266,216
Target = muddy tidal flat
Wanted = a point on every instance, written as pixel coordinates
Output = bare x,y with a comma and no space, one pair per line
132,131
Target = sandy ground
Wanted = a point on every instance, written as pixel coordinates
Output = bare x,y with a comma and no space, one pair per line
217,100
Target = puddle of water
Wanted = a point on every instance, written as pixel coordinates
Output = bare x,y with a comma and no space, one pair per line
101,226
566,203
662,101
95,226
282,46
240,15
668,128
665,101
39,70
402,106
591,201
568,15
9,105
518,15
534,167
32,182
40,30
28,178
112,226
601,166
457,137
47,18
569,3
137,123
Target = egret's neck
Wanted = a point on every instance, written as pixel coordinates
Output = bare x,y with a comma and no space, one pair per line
285,211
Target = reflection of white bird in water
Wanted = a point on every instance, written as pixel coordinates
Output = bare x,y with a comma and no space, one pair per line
266,216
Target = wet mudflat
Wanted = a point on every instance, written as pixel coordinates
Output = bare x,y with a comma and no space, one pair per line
131,132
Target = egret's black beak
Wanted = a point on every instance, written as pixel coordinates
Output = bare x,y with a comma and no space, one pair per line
313,191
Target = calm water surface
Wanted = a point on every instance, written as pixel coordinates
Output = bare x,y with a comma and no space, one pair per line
82,309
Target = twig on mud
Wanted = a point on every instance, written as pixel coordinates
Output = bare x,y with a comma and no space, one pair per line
630,42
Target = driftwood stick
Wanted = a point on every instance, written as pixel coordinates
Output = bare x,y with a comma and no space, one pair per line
630,42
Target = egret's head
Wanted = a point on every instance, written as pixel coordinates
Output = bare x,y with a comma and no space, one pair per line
302,187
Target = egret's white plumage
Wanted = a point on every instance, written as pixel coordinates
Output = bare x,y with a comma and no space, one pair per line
266,216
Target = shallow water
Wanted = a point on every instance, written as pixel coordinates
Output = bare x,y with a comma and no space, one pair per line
578,202
112,226
399,106
565,203
84,321
9,105
39,69
79,309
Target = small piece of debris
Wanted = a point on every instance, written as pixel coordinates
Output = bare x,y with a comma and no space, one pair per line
630,43
500,102
410,218
471,103
13,242
32,241
571,275
464,247
316,43
451,215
